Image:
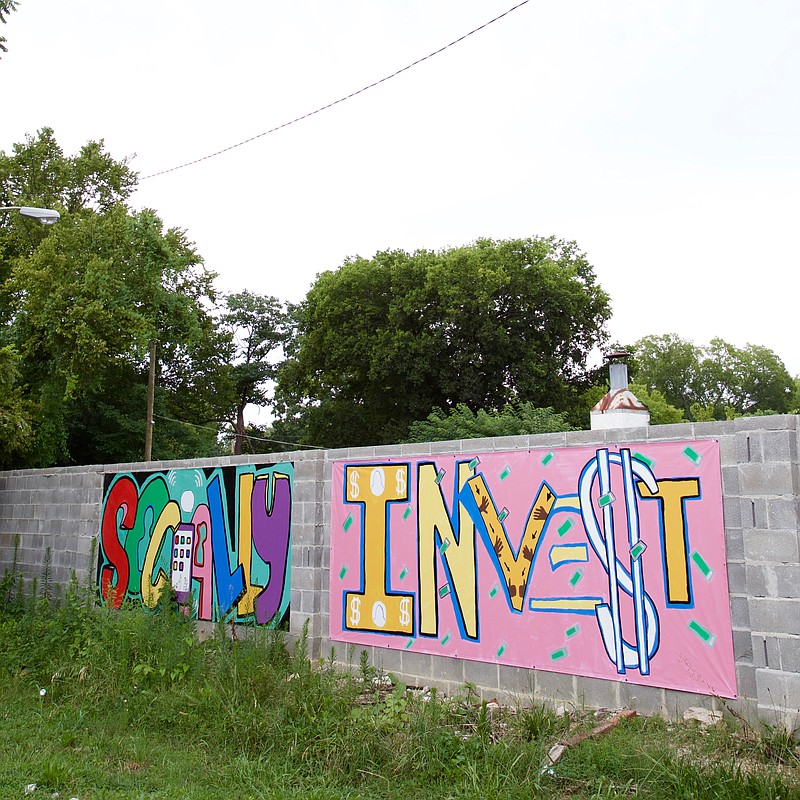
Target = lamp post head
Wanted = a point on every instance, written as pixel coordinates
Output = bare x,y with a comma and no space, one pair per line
47,216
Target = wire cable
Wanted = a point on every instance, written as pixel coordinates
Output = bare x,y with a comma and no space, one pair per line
244,435
335,102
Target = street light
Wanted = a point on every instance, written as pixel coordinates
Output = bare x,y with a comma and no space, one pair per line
47,216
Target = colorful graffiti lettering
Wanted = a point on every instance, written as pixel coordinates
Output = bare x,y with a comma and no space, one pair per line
604,562
222,537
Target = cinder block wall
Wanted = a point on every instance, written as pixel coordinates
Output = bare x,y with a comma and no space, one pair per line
60,508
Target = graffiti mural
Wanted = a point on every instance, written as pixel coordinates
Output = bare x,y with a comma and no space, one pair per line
604,562
221,536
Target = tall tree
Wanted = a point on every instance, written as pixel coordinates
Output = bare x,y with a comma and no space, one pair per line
257,326
714,381
82,301
382,342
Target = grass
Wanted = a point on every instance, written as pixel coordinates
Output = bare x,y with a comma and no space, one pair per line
99,705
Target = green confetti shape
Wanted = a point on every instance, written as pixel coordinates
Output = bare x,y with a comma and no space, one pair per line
704,635
443,546
446,639
701,564
606,499
637,550
439,476
474,463
644,459
564,527
409,643
576,577
557,655
494,590
573,631
343,571
347,523
692,455
500,650
403,573
407,513
505,473
444,591
503,514
548,458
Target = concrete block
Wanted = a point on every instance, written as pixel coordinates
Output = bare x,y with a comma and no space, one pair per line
642,699
749,447
740,612
730,481
597,693
547,441
728,454
782,513
734,544
779,690
766,651
387,660
732,512
737,583
483,674
516,682
742,646
756,582
675,702
672,432
775,615
420,664
777,547
789,647
787,580
772,422
746,686
780,445
591,438
448,669
555,686
765,479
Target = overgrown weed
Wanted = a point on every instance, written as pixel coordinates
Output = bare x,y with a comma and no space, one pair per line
134,704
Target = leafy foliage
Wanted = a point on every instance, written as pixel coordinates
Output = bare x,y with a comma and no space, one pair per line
256,326
383,341
82,301
462,423
6,7
717,381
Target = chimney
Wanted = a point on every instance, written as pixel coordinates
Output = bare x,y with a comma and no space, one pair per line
619,408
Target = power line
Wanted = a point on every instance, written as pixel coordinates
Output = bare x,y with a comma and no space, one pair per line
244,435
340,100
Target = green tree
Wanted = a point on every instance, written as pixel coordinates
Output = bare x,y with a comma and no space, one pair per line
256,326
6,7
716,381
16,431
463,423
82,301
383,341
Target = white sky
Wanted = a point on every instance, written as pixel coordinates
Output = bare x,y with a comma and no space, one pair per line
664,137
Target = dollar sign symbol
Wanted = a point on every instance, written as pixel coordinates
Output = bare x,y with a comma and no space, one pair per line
400,478
405,617
355,610
354,490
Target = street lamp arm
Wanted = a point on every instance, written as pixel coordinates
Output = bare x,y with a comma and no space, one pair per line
47,216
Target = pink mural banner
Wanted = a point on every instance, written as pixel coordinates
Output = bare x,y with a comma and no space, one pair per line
606,562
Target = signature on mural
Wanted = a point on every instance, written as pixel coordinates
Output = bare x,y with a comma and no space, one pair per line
222,537
579,560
